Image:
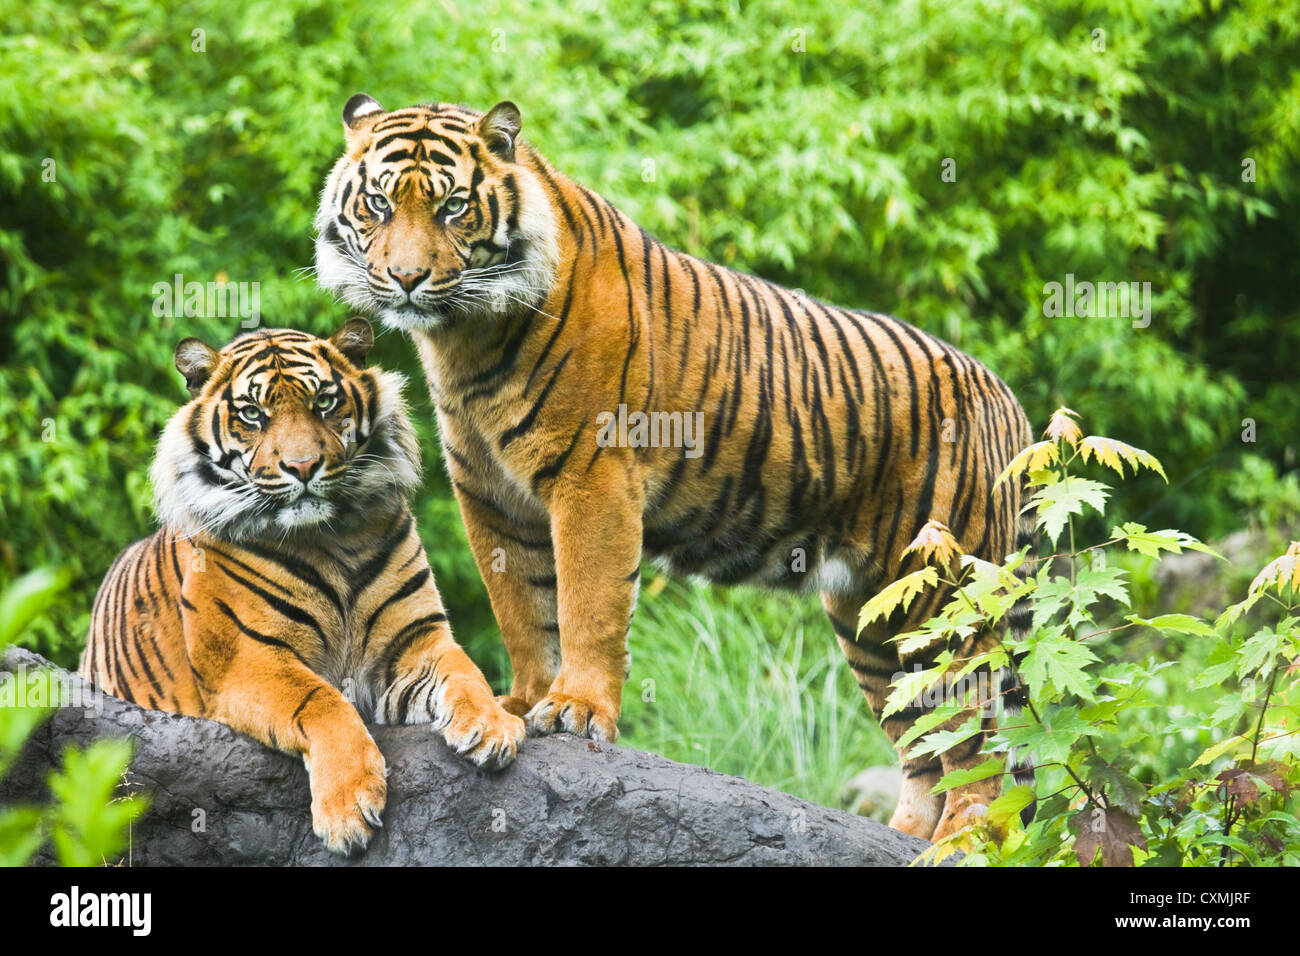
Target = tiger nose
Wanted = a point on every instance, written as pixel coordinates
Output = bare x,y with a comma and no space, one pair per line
408,279
304,468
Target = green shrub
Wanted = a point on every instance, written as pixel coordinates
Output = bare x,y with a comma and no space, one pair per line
1133,766
88,825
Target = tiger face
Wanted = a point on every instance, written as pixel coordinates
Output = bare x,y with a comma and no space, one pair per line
286,433
429,217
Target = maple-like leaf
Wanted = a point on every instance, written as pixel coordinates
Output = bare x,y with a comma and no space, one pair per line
1008,806
1121,788
935,544
941,741
1238,783
899,594
908,688
1151,543
1260,649
1182,623
963,776
1110,451
1235,611
1062,426
1034,458
1270,772
1055,503
1052,740
1061,661
1112,831
1282,572
927,722
1215,751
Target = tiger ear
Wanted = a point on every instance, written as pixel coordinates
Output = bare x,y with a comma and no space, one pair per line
354,340
195,359
500,127
359,113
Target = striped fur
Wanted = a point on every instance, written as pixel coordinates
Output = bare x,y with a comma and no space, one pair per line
287,593
828,436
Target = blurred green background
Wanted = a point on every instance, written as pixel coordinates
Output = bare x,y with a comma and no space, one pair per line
802,141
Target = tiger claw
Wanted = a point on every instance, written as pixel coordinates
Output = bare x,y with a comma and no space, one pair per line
488,739
559,713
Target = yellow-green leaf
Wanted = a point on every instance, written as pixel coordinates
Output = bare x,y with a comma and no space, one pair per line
1034,458
1109,451
1213,753
959,778
899,594
1008,806
1062,426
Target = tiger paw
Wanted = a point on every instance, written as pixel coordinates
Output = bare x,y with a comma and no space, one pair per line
488,737
559,713
348,797
959,818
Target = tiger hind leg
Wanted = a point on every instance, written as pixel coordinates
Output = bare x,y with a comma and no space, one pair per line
967,804
981,689
875,665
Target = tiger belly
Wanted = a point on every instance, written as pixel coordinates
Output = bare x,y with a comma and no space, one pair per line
800,561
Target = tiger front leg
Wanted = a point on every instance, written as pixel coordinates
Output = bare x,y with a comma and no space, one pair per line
428,678
596,528
268,693
517,565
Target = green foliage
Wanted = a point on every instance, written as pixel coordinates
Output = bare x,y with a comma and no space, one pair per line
1138,761
1269,500
27,598
88,825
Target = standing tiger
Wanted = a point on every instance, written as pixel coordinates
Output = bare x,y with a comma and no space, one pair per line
539,311
287,593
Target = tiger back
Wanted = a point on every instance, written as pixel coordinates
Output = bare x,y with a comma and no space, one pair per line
287,593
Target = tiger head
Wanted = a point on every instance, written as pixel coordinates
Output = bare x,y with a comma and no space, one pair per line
434,214
285,432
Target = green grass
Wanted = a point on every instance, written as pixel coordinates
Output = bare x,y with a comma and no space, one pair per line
747,683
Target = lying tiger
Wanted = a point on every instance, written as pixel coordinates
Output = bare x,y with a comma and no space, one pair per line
287,593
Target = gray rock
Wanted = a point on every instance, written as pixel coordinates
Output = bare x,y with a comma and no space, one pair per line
874,792
564,801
